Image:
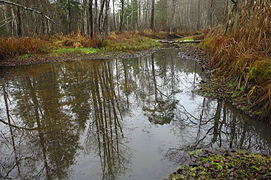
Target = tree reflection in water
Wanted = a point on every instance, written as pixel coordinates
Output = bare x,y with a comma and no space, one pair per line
218,126
105,131
50,112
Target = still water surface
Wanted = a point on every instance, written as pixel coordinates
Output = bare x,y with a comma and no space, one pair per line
113,119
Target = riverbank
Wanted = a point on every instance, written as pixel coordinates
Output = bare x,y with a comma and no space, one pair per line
34,50
224,165
241,93
76,56
241,60
25,51
241,74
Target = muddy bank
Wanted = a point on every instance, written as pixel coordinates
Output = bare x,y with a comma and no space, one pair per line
220,88
39,59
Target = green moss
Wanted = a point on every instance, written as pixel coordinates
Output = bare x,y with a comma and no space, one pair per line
24,56
186,39
78,50
196,152
227,165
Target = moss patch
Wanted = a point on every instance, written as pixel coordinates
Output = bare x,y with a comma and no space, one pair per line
24,56
186,39
226,165
77,50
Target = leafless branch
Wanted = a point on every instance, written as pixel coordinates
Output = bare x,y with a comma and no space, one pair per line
26,8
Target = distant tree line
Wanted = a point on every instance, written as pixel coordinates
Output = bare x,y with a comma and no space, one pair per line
39,17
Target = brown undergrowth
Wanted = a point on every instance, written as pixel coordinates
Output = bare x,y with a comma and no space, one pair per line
11,47
243,57
115,41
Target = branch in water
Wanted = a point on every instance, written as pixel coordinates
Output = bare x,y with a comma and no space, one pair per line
23,128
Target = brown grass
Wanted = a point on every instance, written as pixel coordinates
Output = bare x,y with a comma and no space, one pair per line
244,56
11,47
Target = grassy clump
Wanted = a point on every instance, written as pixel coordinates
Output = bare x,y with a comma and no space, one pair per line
243,56
226,165
128,42
125,41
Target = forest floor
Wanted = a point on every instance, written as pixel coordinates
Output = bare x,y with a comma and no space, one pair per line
232,164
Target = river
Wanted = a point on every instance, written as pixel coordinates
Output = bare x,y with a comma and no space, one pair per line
113,119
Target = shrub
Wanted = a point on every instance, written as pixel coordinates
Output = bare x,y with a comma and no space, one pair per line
12,47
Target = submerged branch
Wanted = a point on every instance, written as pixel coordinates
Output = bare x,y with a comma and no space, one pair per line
23,128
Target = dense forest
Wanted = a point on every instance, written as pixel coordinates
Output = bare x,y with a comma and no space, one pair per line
32,17
123,89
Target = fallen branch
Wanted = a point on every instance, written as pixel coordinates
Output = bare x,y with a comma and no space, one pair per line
26,8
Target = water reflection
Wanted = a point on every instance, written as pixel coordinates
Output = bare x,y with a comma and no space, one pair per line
217,125
58,121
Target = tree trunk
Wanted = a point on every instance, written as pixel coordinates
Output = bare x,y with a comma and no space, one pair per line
173,15
19,22
114,16
85,18
96,16
100,16
211,13
121,15
69,16
198,20
232,17
91,18
13,24
152,15
106,19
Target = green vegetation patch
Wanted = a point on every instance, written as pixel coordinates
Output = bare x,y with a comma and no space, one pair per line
226,165
77,50
131,44
24,56
186,39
